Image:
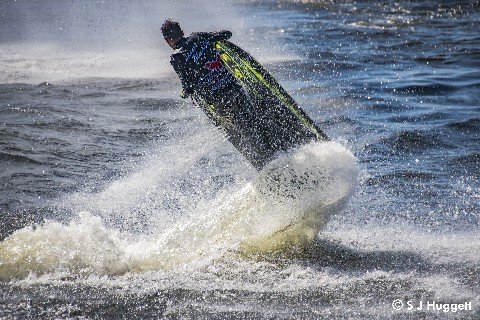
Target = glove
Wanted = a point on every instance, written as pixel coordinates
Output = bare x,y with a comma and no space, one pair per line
186,92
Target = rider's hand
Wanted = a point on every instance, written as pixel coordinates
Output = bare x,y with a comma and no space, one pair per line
186,92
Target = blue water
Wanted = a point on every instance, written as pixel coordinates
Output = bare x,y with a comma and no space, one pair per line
109,180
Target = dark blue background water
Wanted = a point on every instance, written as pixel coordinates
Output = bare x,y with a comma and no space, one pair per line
396,82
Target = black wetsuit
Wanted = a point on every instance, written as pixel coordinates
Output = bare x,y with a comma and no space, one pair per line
257,128
198,65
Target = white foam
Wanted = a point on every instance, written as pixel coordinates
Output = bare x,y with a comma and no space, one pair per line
82,246
34,63
243,213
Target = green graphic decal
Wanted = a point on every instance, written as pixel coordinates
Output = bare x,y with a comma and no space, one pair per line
259,81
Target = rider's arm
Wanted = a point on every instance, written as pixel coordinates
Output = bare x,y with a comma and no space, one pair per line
183,72
216,36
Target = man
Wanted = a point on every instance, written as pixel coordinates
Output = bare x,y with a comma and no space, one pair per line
256,127
197,62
